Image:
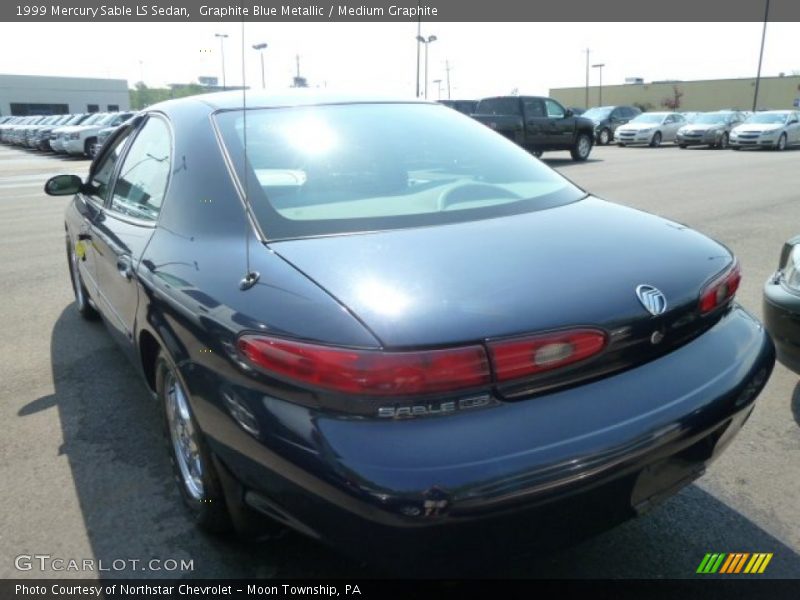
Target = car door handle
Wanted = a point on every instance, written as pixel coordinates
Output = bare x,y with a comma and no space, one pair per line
83,237
125,267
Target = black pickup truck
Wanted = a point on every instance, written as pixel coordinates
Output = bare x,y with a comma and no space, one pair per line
537,124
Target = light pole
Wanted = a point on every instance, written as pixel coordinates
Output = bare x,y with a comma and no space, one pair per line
587,78
427,41
600,89
222,37
761,56
260,47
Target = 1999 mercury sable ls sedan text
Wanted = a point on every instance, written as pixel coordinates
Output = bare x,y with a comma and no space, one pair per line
392,329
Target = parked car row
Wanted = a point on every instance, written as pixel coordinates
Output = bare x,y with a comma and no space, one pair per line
75,134
773,129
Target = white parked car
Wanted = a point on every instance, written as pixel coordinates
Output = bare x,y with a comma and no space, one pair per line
56,134
777,129
70,133
651,128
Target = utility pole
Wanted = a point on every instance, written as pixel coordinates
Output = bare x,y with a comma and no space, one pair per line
587,79
222,37
761,56
447,70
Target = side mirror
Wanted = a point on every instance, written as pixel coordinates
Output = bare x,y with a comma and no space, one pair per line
792,121
63,185
568,113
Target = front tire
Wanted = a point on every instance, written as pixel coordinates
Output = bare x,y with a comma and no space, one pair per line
87,147
723,142
781,145
656,141
604,138
192,463
82,302
582,148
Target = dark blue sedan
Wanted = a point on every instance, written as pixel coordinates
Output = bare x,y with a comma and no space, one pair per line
386,326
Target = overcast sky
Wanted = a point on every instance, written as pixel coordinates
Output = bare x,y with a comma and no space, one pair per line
486,58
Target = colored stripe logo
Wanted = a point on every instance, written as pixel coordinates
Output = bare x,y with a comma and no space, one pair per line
734,563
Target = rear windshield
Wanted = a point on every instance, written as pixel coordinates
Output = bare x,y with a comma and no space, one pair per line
329,169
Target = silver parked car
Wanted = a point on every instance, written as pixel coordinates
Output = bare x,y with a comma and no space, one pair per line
712,129
776,129
651,128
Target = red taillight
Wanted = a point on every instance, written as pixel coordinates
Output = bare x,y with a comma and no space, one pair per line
369,372
522,357
721,290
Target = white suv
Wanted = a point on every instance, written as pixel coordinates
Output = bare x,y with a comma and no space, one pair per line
81,138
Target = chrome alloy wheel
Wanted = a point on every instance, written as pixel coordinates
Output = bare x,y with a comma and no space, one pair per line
584,146
185,440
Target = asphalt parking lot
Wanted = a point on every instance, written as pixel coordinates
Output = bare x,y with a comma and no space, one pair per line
85,474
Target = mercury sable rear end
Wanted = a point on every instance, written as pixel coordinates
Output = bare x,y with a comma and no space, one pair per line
427,343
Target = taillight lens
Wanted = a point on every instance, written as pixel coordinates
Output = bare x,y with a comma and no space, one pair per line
721,290
523,357
369,372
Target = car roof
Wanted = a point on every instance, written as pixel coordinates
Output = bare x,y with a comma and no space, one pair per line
258,99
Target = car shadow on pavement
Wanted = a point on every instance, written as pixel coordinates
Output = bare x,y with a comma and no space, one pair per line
113,441
558,161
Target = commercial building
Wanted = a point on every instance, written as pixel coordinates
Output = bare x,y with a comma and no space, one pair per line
711,94
35,95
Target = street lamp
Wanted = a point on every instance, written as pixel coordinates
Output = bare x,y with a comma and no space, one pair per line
427,41
761,55
600,89
260,47
222,37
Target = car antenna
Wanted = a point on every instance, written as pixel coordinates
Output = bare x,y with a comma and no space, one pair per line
250,277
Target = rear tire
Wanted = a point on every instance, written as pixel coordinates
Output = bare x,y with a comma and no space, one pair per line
192,462
582,148
682,146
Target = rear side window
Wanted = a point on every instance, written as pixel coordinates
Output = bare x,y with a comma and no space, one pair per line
498,106
142,181
534,108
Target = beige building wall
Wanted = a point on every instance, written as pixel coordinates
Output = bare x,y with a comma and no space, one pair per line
774,93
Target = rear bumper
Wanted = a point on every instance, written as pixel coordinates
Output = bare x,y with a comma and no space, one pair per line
527,473
782,319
